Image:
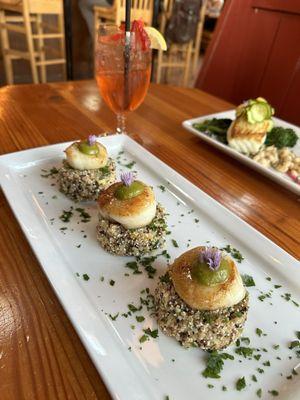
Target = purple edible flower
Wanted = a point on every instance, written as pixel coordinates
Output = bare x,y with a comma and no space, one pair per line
127,178
91,140
211,256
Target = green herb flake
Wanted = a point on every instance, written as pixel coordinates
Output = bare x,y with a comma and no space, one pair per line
140,318
149,332
259,393
274,393
162,188
298,334
143,338
224,388
268,278
244,351
112,282
257,357
294,343
277,286
240,384
66,215
253,377
248,281
236,254
246,340
260,370
175,244
214,364
267,363
113,317
85,277
276,346
210,386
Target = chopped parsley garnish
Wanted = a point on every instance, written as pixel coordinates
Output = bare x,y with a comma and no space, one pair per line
196,220
259,393
298,334
85,277
214,364
236,254
253,377
133,308
66,215
175,244
248,281
267,363
149,332
224,388
240,384
276,346
294,343
162,188
140,318
257,357
210,386
85,217
273,392
134,266
77,274
143,338
53,171
112,282
246,340
259,332
244,351
113,317
78,246
260,370
268,278
277,286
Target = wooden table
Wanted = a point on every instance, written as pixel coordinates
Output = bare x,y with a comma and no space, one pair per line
41,356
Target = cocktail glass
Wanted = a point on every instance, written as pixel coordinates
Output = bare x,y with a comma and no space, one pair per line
123,83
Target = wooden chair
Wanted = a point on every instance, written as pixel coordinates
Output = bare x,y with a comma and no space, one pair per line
141,9
30,23
183,56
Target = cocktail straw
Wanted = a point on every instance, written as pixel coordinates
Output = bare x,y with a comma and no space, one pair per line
127,53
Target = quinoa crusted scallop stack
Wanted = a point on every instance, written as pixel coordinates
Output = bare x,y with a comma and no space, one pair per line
201,301
131,223
86,171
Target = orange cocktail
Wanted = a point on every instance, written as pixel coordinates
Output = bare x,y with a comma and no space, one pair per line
123,84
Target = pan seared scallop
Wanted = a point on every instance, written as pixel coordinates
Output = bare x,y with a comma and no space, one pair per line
131,222
201,300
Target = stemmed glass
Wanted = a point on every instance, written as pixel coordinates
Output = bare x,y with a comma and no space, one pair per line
123,84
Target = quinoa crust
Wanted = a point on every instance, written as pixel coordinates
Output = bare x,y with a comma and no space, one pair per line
118,240
85,184
209,330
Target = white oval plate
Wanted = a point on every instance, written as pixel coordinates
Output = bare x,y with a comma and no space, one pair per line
159,367
276,176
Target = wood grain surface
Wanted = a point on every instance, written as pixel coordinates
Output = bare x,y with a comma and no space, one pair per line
41,356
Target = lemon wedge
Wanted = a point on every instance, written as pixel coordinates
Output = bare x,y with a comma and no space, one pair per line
156,38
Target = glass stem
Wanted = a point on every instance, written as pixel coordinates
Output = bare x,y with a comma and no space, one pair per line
121,123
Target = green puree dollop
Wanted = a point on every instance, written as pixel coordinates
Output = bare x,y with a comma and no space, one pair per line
124,192
90,150
205,276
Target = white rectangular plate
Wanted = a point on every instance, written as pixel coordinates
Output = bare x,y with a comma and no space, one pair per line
159,367
276,176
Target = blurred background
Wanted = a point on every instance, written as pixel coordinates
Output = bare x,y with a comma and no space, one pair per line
234,49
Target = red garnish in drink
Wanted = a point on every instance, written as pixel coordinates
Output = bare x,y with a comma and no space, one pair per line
141,36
